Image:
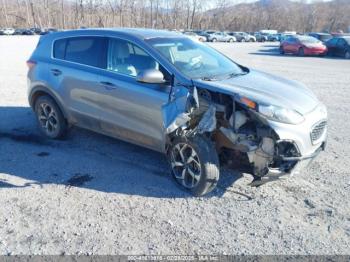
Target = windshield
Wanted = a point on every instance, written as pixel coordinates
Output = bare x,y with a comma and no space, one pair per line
347,39
194,59
308,40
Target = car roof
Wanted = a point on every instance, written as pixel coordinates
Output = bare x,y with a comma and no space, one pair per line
319,33
141,33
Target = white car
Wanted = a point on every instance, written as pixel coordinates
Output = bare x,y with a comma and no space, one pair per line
195,36
9,31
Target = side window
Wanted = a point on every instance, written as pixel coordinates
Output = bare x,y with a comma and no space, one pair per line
83,50
341,43
59,49
126,58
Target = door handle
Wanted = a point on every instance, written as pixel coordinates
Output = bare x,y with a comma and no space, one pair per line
108,85
56,72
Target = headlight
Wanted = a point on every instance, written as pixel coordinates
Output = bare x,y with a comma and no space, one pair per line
281,114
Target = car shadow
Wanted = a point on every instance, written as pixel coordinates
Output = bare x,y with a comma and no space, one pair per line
86,160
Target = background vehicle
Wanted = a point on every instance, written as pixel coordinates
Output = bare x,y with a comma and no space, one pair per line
23,31
48,31
9,31
195,36
302,45
273,37
1,31
221,37
339,46
243,37
35,30
260,37
323,37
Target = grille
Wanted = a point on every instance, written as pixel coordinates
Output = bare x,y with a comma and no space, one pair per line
318,131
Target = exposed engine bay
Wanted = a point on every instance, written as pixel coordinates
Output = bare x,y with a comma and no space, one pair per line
238,132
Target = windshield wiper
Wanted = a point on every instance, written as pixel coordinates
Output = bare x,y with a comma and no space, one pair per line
237,74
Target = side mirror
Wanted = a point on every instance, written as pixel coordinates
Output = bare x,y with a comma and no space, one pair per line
150,76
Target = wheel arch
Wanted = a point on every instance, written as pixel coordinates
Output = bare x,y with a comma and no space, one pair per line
39,91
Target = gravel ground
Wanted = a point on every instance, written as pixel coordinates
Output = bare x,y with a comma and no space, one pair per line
91,194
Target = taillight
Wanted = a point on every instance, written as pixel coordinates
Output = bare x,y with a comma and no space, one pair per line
31,64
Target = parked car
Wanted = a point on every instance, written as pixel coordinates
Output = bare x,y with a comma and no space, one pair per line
273,37
9,31
166,92
195,36
323,37
260,37
48,31
303,45
1,31
339,46
221,37
243,37
36,30
284,36
23,31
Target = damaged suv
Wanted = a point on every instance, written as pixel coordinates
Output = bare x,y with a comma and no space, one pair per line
175,95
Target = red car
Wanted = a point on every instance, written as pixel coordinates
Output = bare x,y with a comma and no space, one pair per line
303,45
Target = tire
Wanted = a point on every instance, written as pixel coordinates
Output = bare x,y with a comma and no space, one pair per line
347,55
201,174
282,51
301,52
231,40
214,40
243,40
50,118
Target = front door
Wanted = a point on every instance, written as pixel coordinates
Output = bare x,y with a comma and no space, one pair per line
132,110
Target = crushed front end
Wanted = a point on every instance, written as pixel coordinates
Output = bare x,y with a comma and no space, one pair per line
271,149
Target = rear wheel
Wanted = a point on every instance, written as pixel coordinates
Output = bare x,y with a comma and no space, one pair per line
214,40
301,52
231,40
50,118
195,164
282,50
243,40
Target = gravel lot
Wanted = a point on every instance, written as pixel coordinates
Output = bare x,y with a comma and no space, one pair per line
91,194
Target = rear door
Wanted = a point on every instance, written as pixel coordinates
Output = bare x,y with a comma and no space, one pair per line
132,111
77,63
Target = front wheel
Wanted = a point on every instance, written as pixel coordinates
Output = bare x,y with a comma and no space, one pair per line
231,40
214,40
301,52
195,164
347,55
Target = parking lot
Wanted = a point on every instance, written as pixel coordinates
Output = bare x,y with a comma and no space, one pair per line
91,194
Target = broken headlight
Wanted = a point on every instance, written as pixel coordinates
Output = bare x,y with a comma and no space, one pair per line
280,114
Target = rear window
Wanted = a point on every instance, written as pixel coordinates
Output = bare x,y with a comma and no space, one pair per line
83,50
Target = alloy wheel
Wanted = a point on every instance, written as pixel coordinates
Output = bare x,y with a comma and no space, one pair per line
185,165
48,118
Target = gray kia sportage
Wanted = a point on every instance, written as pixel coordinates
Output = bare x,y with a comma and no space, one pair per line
170,93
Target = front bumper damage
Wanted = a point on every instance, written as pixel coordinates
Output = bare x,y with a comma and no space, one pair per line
273,149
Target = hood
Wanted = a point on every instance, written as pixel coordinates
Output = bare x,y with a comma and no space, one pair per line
265,88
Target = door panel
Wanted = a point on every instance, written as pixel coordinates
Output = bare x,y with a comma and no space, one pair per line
132,110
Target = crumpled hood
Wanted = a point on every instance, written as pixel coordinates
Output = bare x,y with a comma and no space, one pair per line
268,89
